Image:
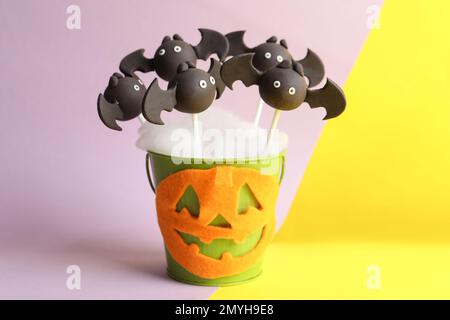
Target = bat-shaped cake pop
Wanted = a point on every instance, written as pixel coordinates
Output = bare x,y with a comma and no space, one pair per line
192,90
270,54
283,87
174,51
122,99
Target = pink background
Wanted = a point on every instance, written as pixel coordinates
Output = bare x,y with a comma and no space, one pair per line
74,192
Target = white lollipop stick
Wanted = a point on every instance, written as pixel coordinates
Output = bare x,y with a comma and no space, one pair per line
197,141
273,126
259,112
142,119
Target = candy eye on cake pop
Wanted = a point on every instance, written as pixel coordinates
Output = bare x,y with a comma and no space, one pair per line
269,54
284,87
191,91
174,51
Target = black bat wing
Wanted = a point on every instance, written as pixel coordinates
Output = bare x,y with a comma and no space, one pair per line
331,97
237,44
240,68
136,61
109,113
214,70
212,42
313,68
157,100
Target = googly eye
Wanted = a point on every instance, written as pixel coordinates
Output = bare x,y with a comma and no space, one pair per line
162,52
212,80
279,58
291,91
267,55
203,84
136,87
177,49
276,84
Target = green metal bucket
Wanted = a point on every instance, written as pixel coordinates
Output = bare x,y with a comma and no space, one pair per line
163,165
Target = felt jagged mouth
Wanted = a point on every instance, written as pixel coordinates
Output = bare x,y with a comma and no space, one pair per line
217,247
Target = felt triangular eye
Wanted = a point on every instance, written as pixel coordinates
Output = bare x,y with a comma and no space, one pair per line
189,200
247,199
220,221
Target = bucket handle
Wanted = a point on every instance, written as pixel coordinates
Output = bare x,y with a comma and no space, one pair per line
283,162
152,185
149,175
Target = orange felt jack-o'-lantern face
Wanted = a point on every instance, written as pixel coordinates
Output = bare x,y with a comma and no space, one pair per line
218,191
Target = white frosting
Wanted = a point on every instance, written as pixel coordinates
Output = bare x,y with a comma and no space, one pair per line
223,135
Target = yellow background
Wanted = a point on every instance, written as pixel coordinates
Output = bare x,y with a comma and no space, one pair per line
372,215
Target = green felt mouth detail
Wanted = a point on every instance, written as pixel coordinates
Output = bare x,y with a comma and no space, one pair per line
217,247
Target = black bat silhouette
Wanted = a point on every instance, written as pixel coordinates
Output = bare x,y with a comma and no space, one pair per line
284,87
173,52
191,91
269,54
122,98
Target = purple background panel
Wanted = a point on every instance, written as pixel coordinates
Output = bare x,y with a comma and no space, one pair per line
74,192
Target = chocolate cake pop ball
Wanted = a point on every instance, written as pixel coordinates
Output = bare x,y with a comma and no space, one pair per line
122,100
128,92
196,90
270,54
191,91
170,54
283,88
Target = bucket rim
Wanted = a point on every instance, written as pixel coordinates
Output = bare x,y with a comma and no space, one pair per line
225,161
